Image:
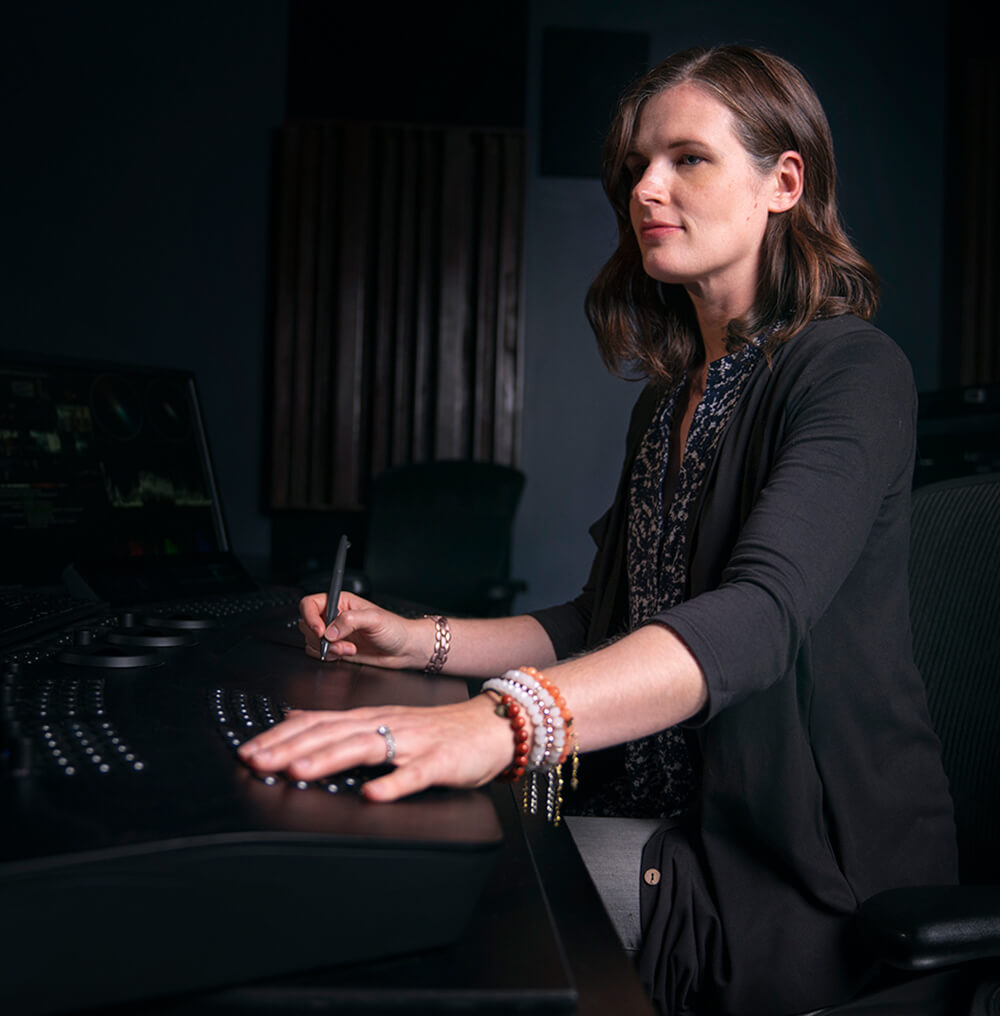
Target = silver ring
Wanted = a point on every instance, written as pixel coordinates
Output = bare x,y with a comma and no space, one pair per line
390,742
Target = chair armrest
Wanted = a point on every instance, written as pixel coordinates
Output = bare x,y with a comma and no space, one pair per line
928,927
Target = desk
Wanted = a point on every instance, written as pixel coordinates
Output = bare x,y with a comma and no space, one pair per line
537,941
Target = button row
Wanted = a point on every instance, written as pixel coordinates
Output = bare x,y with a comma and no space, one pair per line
241,715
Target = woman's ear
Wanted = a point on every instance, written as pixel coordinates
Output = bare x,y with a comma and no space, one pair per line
788,176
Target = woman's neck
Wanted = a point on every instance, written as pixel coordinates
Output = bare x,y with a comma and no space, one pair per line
714,316
713,336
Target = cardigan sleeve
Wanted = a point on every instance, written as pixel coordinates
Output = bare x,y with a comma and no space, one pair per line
843,441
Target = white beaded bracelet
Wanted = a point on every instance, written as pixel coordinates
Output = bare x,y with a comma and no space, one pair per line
532,705
551,716
549,737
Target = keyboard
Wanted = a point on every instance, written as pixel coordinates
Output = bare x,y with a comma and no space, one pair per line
26,612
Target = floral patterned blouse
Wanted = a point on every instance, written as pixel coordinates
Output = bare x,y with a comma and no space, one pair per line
659,780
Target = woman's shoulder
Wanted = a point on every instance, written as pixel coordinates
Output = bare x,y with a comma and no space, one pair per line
841,335
846,342
844,365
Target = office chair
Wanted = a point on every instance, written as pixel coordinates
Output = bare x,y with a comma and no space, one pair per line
439,539
955,605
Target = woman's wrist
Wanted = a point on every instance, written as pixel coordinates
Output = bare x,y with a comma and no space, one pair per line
442,644
423,643
543,735
496,741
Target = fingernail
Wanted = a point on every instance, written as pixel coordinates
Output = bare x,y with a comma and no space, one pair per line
331,633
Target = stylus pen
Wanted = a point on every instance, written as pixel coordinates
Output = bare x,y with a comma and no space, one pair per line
333,596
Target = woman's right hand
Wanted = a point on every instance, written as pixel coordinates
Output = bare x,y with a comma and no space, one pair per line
365,633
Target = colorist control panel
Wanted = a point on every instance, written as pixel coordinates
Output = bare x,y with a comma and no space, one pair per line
138,855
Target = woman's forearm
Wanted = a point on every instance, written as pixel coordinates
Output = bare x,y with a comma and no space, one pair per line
642,683
487,647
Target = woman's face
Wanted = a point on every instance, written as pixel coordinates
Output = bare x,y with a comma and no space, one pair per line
699,205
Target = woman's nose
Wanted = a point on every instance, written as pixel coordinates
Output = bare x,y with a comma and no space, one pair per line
650,189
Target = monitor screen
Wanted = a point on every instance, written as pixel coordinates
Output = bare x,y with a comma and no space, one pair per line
102,465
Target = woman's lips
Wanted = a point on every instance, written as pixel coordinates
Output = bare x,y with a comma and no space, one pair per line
653,230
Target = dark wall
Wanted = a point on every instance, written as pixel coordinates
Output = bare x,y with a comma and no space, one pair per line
445,62
135,181
137,170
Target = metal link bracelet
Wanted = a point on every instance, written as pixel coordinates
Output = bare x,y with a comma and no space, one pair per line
442,643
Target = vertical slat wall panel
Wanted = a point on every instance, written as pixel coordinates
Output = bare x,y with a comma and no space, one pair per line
509,372
320,444
401,304
284,324
488,259
348,339
388,258
977,218
303,345
397,333
979,275
428,246
451,345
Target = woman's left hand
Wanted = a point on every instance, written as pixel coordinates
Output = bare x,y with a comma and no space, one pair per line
461,745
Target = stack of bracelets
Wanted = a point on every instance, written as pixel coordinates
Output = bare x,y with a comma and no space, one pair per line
543,735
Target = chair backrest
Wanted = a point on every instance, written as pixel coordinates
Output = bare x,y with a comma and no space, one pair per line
955,606
440,533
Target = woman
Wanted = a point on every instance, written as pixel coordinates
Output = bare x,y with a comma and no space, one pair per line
746,618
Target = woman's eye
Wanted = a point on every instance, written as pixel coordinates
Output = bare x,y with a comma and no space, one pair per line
691,160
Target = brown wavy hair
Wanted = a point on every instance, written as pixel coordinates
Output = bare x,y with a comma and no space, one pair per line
808,267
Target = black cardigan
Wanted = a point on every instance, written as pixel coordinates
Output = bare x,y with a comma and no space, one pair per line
821,780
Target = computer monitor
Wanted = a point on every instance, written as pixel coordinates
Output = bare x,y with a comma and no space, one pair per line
106,482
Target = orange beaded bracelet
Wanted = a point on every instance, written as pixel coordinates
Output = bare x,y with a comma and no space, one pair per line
543,736
511,710
570,745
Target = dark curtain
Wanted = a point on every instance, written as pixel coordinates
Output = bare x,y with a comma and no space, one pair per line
398,313
972,174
